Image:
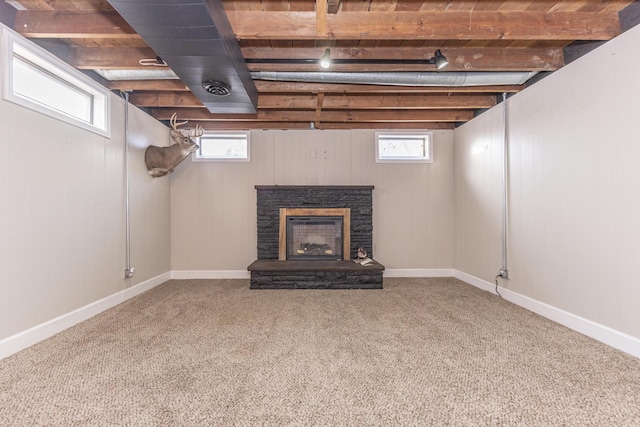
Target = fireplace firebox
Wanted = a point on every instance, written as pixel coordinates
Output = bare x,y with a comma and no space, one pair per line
314,234
314,238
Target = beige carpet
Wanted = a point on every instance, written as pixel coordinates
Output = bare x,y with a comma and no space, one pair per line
421,352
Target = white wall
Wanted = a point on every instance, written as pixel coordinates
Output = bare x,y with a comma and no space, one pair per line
213,209
62,210
575,189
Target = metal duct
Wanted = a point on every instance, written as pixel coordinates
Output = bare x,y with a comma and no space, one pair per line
452,79
197,42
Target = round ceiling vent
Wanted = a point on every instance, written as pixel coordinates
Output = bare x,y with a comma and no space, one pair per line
217,88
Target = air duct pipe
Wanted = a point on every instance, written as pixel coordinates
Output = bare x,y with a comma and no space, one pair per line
453,79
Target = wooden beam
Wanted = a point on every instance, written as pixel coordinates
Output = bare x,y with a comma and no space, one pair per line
400,116
408,102
460,59
111,58
428,25
321,18
388,125
301,125
72,24
319,104
331,102
165,99
323,125
376,102
150,85
419,25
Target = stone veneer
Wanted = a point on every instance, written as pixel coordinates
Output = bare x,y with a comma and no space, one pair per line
267,272
359,199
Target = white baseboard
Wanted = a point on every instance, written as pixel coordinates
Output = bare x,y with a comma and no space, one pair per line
210,274
418,272
616,339
24,339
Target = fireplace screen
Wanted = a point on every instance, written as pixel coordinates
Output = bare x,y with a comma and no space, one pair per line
314,237
314,234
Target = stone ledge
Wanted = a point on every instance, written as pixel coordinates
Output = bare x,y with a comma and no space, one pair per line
275,274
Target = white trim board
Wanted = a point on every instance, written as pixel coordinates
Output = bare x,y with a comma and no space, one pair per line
31,336
616,339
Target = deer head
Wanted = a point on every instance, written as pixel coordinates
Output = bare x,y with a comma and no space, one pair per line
162,160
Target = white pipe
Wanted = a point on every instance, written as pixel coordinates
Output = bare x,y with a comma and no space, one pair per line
128,271
452,79
504,271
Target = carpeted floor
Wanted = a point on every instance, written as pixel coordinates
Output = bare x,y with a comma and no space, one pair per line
421,352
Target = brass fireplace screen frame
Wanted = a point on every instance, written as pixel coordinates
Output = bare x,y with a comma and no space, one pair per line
345,213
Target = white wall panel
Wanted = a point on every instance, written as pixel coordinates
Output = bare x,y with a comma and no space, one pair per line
574,205
214,204
62,214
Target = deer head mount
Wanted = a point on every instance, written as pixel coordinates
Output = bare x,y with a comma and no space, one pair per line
162,160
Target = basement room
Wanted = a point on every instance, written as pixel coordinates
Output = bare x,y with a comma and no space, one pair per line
319,213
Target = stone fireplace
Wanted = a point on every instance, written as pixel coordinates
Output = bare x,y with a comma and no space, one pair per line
308,237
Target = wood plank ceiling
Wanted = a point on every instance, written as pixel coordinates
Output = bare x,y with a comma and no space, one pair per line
475,36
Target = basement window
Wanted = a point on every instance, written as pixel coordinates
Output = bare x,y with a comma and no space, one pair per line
36,79
224,146
404,147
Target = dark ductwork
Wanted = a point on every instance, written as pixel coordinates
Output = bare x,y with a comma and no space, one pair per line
194,38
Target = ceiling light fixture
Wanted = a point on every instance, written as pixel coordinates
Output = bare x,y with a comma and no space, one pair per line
440,60
325,61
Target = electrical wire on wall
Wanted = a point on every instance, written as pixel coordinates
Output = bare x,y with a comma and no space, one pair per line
128,271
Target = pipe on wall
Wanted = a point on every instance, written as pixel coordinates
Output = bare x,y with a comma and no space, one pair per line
129,270
504,271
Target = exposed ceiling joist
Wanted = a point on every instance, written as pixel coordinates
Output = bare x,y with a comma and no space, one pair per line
372,43
400,116
460,59
429,25
432,25
329,101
